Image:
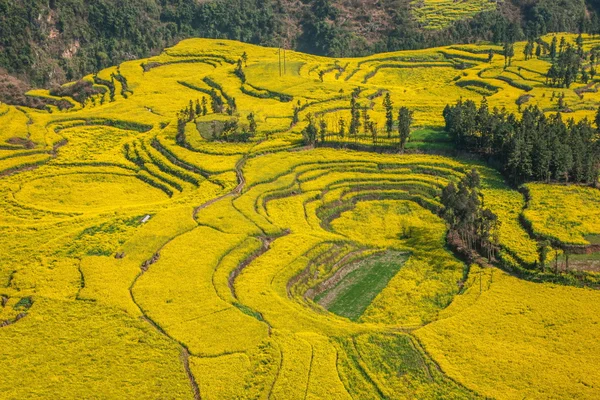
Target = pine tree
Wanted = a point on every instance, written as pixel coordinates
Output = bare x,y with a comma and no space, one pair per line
579,41
405,119
309,133
239,71
509,53
295,116
198,108
389,114
355,117
553,48
191,111
251,123
342,124
528,50
204,106
323,129
216,102
366,119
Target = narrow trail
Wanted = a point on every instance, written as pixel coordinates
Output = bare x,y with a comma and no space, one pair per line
185,352
235,192
16,319
185,359
30,167
266,245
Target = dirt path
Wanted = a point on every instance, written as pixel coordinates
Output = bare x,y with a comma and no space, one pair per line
12,321
185,359
185,353
145,266
235,192
29,167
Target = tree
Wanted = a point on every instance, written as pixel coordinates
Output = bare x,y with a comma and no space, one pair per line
309,133
538,51
389,114
528,50
321,75
373,131
355,117
543,249
323,129
295,116
585,77
579,41
191,111
204,107
490,56
245,59
405,119
509,53
198,108
216,102
229,128
342,124
466,216
553,48
536,147
251,123
239,71
231,105
366,119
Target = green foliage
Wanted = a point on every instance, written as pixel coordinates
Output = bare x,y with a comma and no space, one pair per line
351,296
533,148
81,37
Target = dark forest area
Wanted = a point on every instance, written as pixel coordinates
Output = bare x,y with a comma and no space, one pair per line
48,42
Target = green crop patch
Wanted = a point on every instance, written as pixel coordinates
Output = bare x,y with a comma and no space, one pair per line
351,296
203,227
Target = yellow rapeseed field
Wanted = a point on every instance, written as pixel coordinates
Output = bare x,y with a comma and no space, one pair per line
145,260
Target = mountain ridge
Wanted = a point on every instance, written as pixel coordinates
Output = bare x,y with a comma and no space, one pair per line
47,43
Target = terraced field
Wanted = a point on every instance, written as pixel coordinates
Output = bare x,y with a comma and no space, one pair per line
438,14
145,261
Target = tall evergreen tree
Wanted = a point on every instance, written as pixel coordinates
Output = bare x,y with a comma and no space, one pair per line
553,48
389,114
405,119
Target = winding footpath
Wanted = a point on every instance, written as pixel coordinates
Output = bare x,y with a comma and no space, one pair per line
185,352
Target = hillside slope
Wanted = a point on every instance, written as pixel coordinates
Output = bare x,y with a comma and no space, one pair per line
48,43
147,254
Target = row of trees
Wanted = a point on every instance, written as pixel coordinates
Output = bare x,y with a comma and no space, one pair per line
533,148
475,225
361,124
109,35
233,131
227,131
567,64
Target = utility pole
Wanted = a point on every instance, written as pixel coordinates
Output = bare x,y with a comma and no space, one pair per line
284,62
